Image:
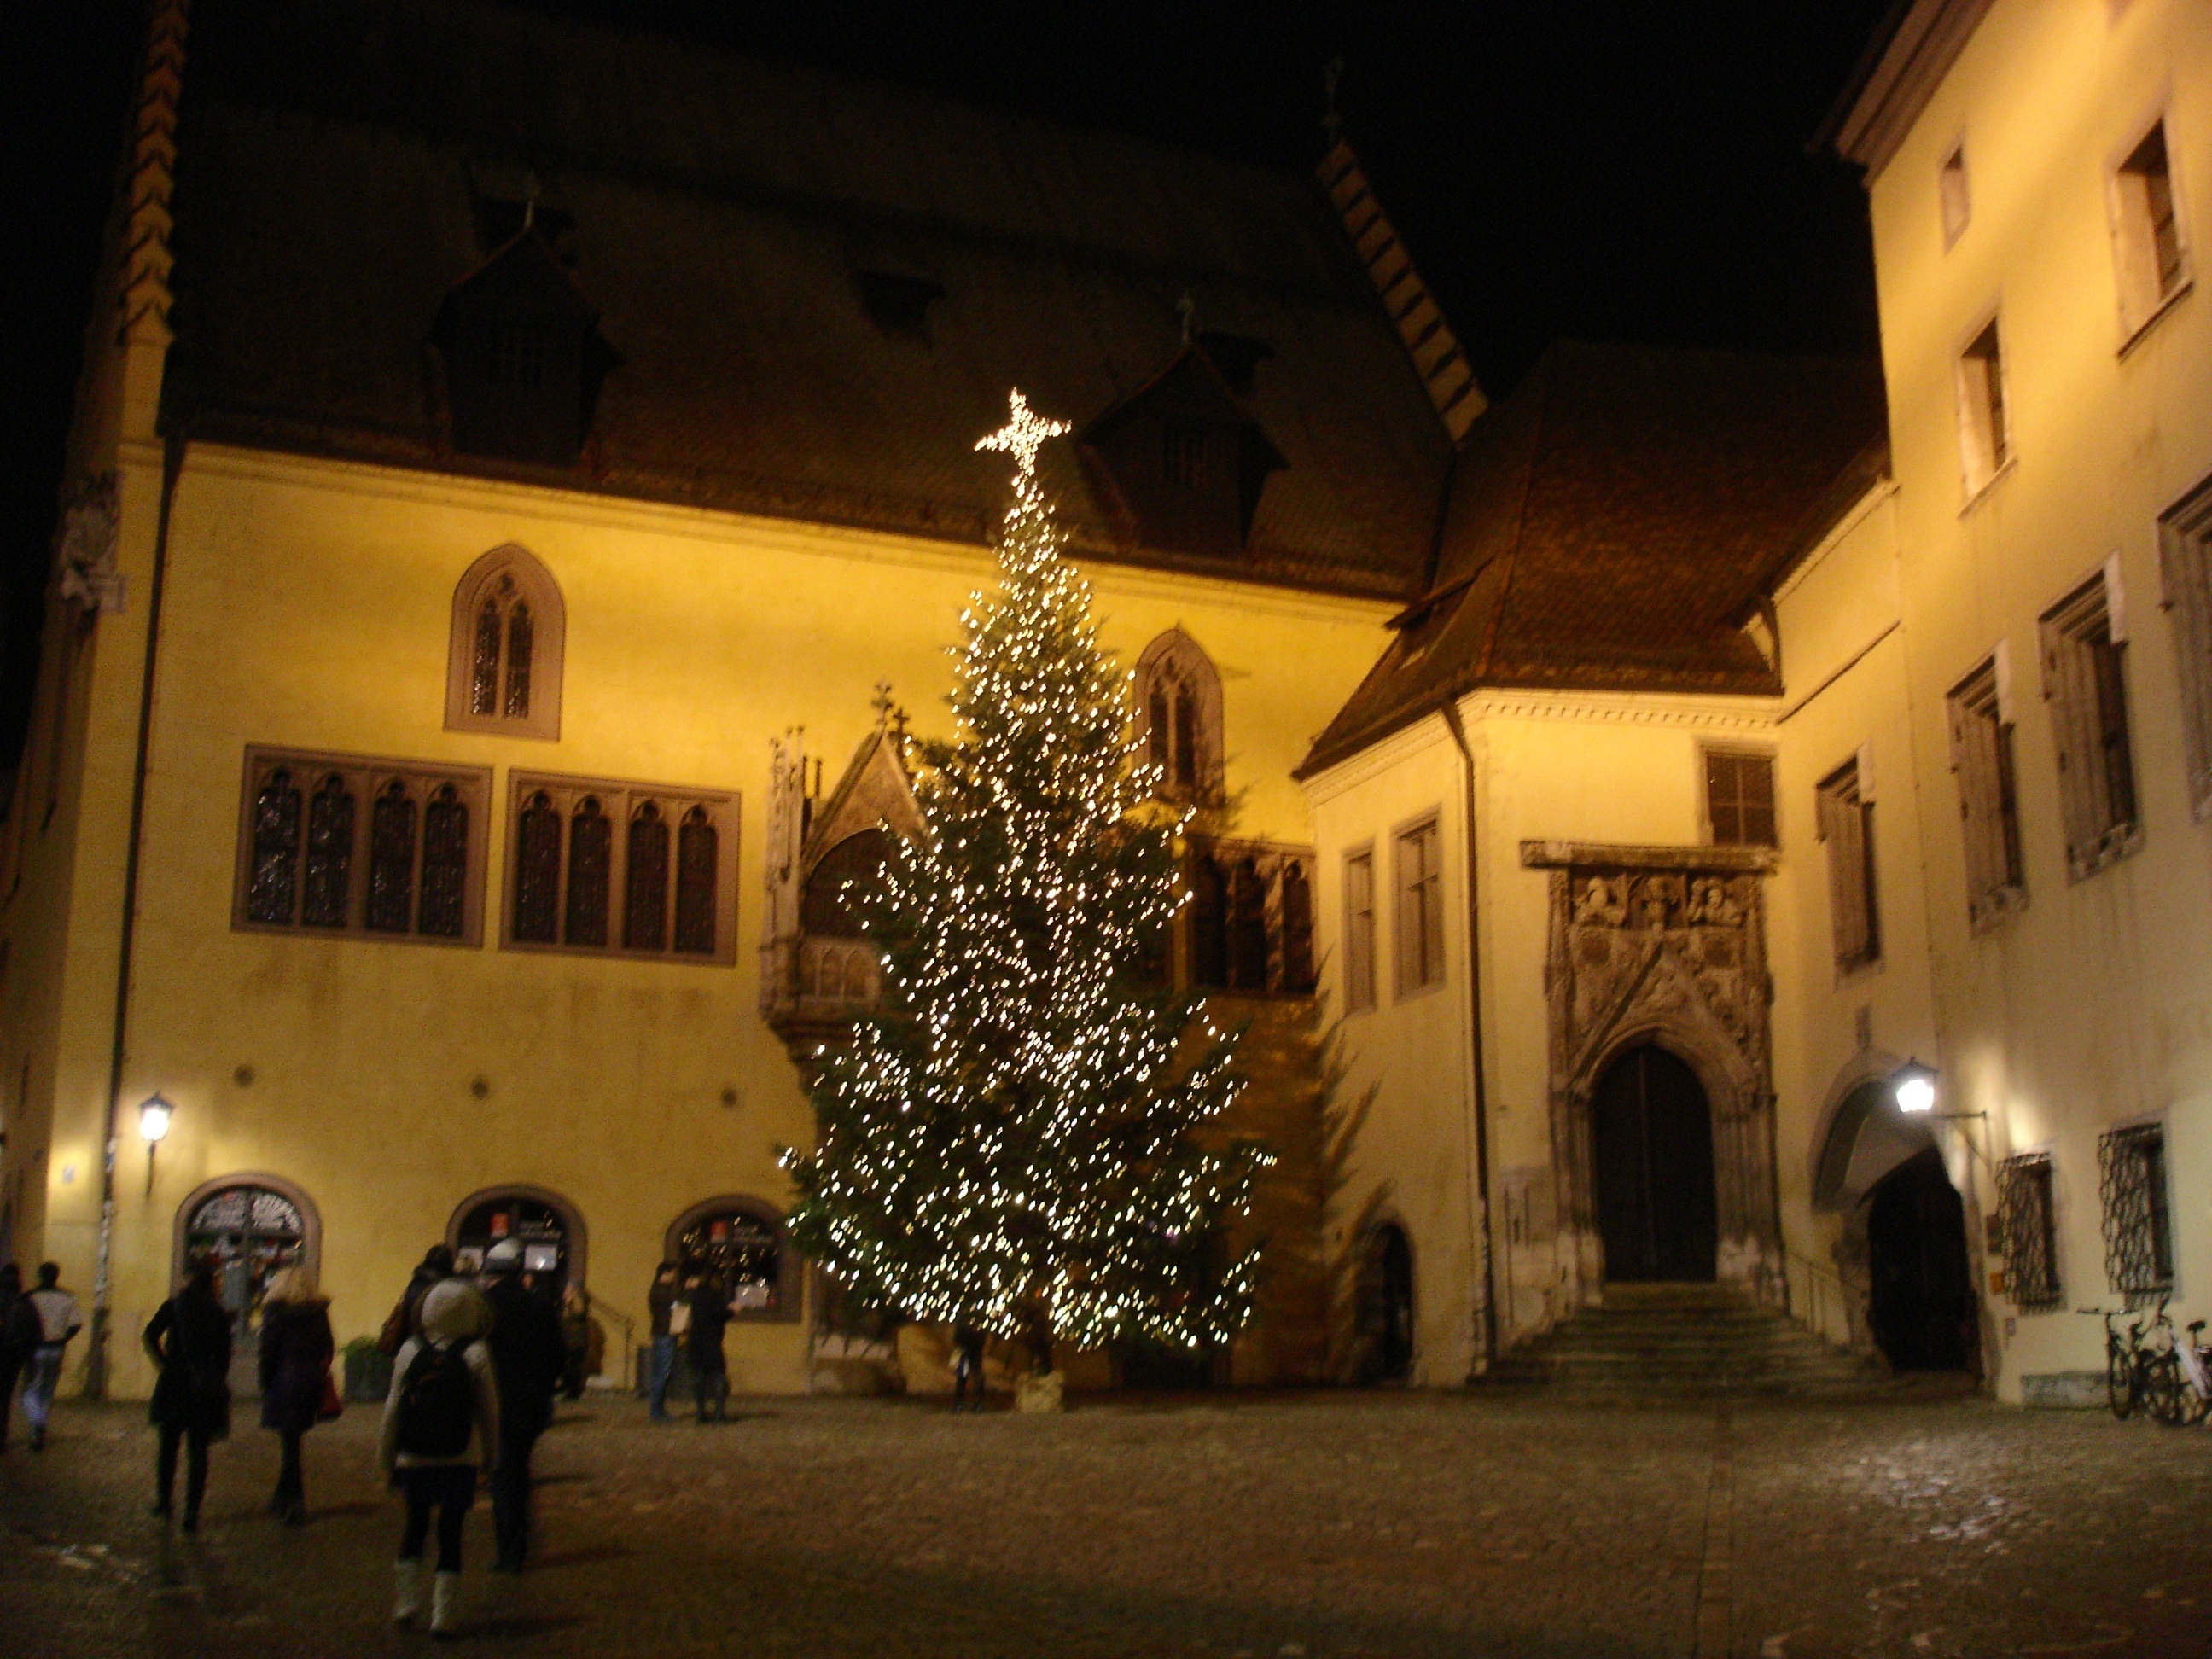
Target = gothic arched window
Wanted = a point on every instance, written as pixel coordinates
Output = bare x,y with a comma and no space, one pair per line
391,861
1209,925
1248,928
444,910
503,671
329,854
1179,700
538,872
1297,899
826,911
591,863
274,885
697,860
645,909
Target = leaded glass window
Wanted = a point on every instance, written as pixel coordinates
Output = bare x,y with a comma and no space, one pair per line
391,861
538,872
483,666
1179,699
519,636
274,885
329,854
1297,902
591,863
445,864
645,908
509,629
697,863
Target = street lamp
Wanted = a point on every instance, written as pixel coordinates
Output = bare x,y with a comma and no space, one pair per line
154,1115
1914,1087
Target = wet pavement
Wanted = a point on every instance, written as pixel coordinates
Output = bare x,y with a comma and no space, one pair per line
1267,1527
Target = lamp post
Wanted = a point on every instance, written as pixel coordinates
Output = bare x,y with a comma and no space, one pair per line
154,1115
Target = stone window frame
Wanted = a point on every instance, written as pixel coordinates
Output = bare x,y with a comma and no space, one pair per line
1708,826
2146,292
621,799
1983,760
366,777
2084,646
1843,807
548,614
1359,931
2184,538
1432,971
1987,448
1176,657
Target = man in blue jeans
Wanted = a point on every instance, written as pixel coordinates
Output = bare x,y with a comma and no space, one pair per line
661,1299
58,1324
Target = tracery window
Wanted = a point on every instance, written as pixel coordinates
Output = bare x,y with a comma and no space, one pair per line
627,869
346,844
826,908
1179,705
503,672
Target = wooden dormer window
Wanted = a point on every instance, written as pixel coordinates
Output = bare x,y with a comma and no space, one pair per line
523,357
1183,446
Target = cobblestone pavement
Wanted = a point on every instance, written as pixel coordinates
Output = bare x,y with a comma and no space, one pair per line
1262,1526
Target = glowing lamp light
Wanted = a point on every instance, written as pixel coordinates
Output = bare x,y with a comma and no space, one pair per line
1914,1086
154,1119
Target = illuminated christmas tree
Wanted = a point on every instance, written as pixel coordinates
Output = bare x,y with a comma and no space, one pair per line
1013,1142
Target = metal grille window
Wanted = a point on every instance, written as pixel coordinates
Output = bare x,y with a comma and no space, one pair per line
2138,1225
2028,1237
593,867
1846,820
1740,797
329,844
2085,680
1989,804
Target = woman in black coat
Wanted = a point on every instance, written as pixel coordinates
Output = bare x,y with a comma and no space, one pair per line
295,1365
189,1338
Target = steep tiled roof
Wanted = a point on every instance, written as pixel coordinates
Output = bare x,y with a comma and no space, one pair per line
1607,524
718,213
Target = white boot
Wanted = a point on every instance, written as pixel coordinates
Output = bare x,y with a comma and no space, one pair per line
445,1591
408,1601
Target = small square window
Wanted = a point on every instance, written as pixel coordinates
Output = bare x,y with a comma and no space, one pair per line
1984,438
2147,246
1951,187
1740,797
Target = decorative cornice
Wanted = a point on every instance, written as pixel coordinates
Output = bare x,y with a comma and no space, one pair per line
1902,68
1610,855
144,299
1623,708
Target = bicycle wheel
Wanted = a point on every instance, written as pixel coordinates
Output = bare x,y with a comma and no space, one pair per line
2120,1382
2165,1395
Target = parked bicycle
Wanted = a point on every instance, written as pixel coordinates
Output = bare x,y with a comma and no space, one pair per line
2149,1368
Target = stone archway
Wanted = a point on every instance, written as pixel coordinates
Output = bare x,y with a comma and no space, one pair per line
534,1216
1664,946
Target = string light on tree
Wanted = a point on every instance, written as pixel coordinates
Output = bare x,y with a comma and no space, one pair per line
1011,1142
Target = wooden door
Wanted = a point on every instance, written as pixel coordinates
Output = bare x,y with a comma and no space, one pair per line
1653,1143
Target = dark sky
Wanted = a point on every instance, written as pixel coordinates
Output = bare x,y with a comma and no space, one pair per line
1633,171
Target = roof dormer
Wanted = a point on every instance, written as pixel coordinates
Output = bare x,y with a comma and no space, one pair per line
1183,461
522,356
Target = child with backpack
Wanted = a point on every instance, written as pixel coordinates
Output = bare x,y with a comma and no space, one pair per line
441,1424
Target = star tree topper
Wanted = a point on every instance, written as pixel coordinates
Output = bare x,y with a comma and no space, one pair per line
1024,433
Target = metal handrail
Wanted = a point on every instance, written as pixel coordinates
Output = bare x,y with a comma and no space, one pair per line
593,1304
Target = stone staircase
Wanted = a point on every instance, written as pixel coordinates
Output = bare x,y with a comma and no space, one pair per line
1685,1341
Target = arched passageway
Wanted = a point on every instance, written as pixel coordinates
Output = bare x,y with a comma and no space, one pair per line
1921,1298
1386,1306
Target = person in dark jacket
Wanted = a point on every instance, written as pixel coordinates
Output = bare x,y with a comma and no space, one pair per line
405,1318
296,1349
710,1372
525,1359
189,1339
19,1334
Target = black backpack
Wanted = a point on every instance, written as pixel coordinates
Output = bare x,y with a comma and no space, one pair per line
437,1402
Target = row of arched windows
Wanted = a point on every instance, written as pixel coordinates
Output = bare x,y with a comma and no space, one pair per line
1239,940
569,865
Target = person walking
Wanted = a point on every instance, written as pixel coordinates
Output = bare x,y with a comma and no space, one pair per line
710,1372
19,1336
440,1424
525,1355
189,1340
436,1267
967,1368
660,1302
296,1349
57,1324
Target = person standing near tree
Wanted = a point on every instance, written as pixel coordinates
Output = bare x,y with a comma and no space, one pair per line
525,1355
296,1349
189,1339
661,1302
58,1324
19,1336
710,1371
440,1422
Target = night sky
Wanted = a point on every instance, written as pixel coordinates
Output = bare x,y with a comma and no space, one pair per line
1629,171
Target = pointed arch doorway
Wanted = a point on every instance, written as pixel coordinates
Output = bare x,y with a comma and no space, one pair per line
1652,1145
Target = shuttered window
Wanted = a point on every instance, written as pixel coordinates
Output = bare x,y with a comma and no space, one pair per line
2186,552
2085,681
1989,807
1846,824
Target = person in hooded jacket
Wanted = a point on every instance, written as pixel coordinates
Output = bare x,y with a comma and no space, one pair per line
526,1354
435,1268
19,1334
189,1339
296,1349
451,1318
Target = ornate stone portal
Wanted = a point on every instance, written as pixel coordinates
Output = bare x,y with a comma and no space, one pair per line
1664,945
